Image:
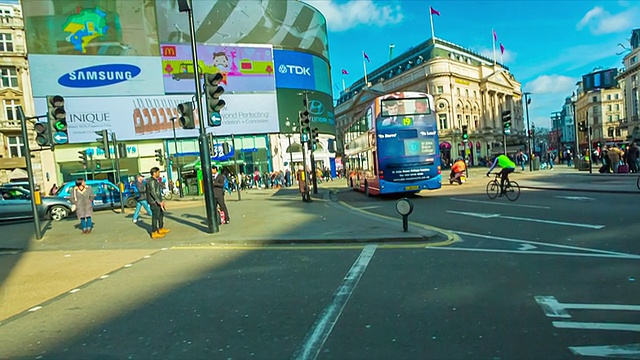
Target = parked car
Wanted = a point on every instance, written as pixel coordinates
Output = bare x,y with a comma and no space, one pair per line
15,203
107,194
20,184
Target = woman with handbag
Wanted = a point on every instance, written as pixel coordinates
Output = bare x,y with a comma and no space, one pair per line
82,196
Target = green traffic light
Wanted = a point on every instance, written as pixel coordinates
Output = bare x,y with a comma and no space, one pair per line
60,125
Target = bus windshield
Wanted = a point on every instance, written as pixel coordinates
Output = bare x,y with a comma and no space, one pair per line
393,106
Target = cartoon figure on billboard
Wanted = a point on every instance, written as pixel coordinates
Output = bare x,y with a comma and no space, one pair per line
221,61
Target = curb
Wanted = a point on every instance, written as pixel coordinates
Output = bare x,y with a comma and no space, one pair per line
318,241
582,190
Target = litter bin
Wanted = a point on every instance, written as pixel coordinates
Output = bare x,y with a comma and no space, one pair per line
536,163
583,165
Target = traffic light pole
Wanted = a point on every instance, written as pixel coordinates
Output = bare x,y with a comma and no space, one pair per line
175,144
310,145
205,154
304,163
589,129
32,186
526,104
235,165
117,154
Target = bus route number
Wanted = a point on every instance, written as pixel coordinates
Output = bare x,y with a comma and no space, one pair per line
407,121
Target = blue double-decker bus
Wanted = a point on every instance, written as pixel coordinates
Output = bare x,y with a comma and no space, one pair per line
392,146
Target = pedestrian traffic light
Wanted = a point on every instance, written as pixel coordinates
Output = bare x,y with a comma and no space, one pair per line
213,91
122,150
582,126
465,133
57,120
186,120
103,142
43,135
83,158
314,141
159,157
506,121
305,127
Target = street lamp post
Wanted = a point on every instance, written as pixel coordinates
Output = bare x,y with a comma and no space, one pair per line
527,101
175,154
576,145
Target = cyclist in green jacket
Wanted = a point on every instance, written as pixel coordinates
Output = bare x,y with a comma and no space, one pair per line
507,166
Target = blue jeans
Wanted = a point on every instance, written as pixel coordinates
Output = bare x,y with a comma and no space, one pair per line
139,205
85,223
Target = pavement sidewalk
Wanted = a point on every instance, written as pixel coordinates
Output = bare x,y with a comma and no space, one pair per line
262,217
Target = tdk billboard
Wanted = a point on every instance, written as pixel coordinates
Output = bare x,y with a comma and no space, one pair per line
298,70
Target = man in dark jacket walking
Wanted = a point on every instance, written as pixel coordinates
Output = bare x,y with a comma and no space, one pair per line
154,197
218,191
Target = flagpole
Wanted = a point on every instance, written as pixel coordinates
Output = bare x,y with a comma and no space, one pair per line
493,38
343,86
433,35
364,64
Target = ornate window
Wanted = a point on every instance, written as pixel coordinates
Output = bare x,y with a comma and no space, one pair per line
6,42
9,77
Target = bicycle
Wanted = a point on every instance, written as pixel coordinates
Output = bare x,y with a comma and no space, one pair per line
638,183
511,188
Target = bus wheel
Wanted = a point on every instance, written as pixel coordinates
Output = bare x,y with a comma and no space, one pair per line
366,189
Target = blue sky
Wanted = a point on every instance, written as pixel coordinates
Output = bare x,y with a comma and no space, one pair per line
549,45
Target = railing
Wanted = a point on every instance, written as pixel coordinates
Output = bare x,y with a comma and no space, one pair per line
10,124
12,21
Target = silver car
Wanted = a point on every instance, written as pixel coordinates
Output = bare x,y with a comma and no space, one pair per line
15,203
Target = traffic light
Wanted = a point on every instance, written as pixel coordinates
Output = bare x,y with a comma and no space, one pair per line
304,125
159,157
83,158
186,116
506,121
225,148
57,120
103,142
314,139
582,126
122,150
465,133
530,133
43,135
213,91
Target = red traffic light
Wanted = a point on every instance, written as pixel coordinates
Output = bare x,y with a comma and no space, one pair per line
56,100
213,79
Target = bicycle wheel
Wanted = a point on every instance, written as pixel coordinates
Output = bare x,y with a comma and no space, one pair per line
168,195
638,183
493,188
512,190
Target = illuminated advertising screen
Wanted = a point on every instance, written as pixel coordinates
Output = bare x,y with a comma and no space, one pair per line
320,110
98,27
291,24
246,68
299,70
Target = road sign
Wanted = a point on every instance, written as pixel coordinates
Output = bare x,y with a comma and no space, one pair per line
216,119
60,138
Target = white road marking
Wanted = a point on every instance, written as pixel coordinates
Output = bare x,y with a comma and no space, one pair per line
36,308
569,247
581,198
488,216
596,326
629,351
316,337
525,247
500,203
74,291
553,308
369,207
559,253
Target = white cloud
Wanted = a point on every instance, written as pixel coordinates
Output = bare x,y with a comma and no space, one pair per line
600,21
507,57
551,84
344,16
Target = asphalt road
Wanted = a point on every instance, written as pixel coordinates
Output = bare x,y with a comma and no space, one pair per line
550,276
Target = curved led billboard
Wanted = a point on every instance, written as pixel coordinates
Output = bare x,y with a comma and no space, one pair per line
291,24
299,70
97,27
